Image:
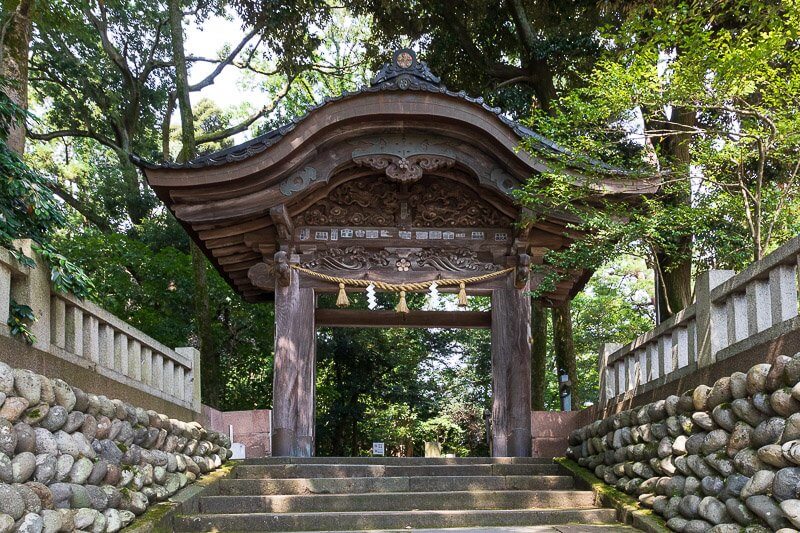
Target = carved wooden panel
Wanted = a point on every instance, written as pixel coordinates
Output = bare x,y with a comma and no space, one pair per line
360,202
355,258
430,202
440,203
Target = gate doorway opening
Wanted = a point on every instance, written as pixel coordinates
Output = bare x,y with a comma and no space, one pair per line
403,386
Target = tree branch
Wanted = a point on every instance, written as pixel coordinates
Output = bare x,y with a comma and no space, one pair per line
101,25
208,80
57,134
78,206
243,125
523,26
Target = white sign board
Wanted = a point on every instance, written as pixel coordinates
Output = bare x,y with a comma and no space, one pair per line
377,448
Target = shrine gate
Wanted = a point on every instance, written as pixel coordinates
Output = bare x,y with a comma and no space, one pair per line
402,182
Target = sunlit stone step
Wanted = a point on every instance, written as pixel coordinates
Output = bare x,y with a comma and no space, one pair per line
362,470
361,521
249,487
399,501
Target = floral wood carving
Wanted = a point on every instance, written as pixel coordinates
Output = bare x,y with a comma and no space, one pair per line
405,169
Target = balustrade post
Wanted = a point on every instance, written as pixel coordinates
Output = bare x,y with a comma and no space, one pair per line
5,292
608,386
759,306
192,378
34,292
74,331
783,292
712,327
91,338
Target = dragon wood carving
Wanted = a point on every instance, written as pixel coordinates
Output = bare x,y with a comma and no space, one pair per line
433,202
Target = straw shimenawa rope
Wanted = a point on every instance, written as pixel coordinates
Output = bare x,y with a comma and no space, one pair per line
402,288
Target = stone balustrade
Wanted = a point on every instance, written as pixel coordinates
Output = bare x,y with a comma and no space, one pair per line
731,313
85,334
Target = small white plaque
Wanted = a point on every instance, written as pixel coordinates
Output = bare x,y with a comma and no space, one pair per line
372,234
404,234
334,234
305,234
461,235
346,233
435,235
448,235
478,235
377,448
321,235
421,235
385,234
360,233
501,237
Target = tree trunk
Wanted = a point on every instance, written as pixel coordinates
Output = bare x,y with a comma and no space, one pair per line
538,355
565,348
137,209
674,269
211,385
354,436
14,62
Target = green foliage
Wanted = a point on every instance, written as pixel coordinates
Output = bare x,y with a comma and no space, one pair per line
19,318
615,307
28,209
738,80
151,288
479,46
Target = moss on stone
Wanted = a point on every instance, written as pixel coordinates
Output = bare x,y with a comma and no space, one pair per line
627,507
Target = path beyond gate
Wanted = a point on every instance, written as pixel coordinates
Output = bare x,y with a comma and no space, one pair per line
395,186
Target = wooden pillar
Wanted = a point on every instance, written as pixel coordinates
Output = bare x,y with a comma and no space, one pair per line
511,372
294,378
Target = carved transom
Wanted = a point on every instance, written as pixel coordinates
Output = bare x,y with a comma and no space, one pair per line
430,202
402,259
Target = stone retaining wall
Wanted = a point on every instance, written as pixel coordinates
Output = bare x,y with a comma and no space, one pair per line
72,461
724,458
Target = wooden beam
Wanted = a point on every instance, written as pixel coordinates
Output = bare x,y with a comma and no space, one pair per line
365,318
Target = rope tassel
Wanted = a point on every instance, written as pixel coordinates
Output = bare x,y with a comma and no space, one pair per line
402,307
462,295
341,299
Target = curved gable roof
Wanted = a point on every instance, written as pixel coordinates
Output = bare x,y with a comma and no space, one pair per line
223,199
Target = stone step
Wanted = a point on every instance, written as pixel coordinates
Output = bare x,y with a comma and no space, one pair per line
285,471
254,487
366,520
412,461
399,501
556,528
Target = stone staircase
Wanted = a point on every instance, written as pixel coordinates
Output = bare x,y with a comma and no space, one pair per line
362,494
